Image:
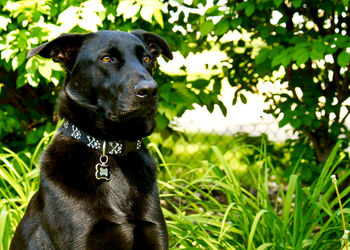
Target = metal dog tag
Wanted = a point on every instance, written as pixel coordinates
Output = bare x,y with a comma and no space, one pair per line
102,169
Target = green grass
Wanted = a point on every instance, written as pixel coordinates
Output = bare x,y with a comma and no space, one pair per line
207,207
212,210
19,180
189,150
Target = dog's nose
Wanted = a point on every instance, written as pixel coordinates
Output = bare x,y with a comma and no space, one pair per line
146,89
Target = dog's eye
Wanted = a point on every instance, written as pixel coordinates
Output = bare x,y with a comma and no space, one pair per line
106,59
147,59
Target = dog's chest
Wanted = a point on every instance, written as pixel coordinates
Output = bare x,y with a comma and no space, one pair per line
118,194
129,186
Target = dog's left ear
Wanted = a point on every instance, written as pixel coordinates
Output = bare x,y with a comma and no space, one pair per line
64,49
155,43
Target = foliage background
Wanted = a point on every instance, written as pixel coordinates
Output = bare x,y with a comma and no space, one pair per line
29,87
301,44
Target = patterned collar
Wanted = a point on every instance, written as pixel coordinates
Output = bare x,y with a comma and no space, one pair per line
112,147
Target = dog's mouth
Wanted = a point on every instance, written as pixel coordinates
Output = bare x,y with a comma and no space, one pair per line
124,115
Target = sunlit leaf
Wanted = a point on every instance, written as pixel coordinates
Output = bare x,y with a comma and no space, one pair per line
128,9
206,28
4,21
222,26
68,15
343,58
45,70
147,13
158,17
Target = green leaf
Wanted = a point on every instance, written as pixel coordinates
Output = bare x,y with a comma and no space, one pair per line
7,53
147,13
4,21
223,108
158,17
131,11
243,98
213,11
89,20
301,56
19,60
29,79
296,123
127,8
250,9
204,98
68,17
297,3
32,65
277,2
55,80
262,56
283,123
343,58
281,30
162,121
14,63
200,83
319,46
241,6
45,70
236,22
222,26
283,58
342,41
316,55
206,28
94,5
264,31
234,100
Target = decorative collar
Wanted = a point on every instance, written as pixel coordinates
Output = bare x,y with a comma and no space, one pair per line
111,147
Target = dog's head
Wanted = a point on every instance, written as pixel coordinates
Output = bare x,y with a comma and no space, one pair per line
109,89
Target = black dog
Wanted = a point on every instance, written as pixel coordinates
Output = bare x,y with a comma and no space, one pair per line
98,185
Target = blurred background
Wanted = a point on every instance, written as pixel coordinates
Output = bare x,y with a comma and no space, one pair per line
241,69
259,81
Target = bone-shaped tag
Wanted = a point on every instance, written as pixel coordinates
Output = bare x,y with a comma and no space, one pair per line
102,172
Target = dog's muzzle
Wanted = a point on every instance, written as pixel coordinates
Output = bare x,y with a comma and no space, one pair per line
146,89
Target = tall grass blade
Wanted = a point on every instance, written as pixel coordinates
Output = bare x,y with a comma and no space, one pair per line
161,157
4,229
253,229
265,246
287,203
224,219
327,171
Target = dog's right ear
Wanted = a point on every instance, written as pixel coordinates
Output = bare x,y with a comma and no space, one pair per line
64,49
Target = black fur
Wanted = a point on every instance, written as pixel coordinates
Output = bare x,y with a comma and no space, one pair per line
115,100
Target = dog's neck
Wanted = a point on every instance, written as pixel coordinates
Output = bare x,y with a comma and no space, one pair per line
106,147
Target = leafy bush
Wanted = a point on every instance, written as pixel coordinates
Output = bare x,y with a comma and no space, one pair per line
29,88
301,47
